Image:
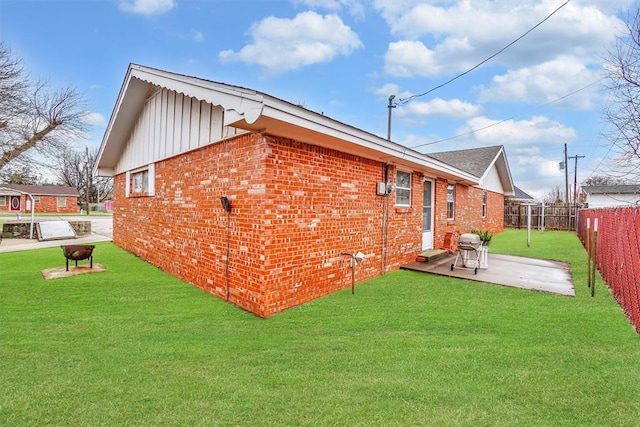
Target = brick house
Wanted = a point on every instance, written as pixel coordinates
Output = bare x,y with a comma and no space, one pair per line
301,190
15,198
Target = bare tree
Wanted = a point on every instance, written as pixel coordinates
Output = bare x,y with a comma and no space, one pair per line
555,196
603,180
34,119
75,169
623,83
19,175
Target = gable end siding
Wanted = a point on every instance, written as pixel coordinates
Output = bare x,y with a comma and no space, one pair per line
169,124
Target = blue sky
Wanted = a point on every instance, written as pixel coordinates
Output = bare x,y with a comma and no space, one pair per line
345,57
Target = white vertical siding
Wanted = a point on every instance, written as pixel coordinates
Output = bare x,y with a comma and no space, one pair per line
194,131
186,123
492,181
612,200
171,123
177,127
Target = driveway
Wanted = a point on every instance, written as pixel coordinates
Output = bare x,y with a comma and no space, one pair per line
517,272
101,231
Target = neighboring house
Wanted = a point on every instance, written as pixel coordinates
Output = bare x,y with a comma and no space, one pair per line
260,202
47,198
605,196
490,166
520,196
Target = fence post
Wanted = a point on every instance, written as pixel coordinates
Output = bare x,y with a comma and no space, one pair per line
595,256
588,244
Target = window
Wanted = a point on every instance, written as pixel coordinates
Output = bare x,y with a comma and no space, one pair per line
451,201
3,200
140,182
484,203
403,188
61,202
36,199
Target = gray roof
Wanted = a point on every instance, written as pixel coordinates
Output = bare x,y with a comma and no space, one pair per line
612,189
520,194
475,161
43,190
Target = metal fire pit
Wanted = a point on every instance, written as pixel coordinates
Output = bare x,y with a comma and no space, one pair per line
77,253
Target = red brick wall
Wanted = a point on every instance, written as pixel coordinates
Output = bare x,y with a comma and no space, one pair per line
468,211
47,204
296,208
50,204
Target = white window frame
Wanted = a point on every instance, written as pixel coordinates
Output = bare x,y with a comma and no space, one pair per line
145,187
451,201
61,202
402,190
36,199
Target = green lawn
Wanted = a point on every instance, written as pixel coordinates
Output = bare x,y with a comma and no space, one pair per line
134,346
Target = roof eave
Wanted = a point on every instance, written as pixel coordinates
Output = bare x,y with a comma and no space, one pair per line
255,111
284,119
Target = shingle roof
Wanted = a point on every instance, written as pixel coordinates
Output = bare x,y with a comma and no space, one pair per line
43,190
475,161
521,194
612,189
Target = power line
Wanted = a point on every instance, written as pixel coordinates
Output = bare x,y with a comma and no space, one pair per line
406,100
510,118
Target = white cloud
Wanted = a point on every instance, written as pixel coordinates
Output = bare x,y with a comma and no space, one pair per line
146,7
526,151
354,7
545,82
453,108
537,130
410,58
280,45
389,89
93,118
539,165
197,36
455,35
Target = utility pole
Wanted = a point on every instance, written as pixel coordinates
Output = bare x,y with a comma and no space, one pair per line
390,106
575,178
566,176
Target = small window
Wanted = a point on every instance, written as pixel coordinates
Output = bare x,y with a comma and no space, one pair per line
61,202
140,182
3,200
403,188
36,199
484,203
451,201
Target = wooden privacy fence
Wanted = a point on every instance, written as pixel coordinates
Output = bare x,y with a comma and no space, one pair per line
617,254
559,216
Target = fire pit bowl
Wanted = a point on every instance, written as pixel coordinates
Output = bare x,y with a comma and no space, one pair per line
77,253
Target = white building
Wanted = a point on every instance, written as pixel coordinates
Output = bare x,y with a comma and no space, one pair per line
607,196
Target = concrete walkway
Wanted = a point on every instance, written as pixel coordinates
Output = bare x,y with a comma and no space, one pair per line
517,272
101,231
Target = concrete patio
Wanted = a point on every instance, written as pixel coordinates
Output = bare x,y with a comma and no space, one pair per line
506,270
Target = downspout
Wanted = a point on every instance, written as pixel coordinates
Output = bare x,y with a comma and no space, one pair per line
385,219
228,250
